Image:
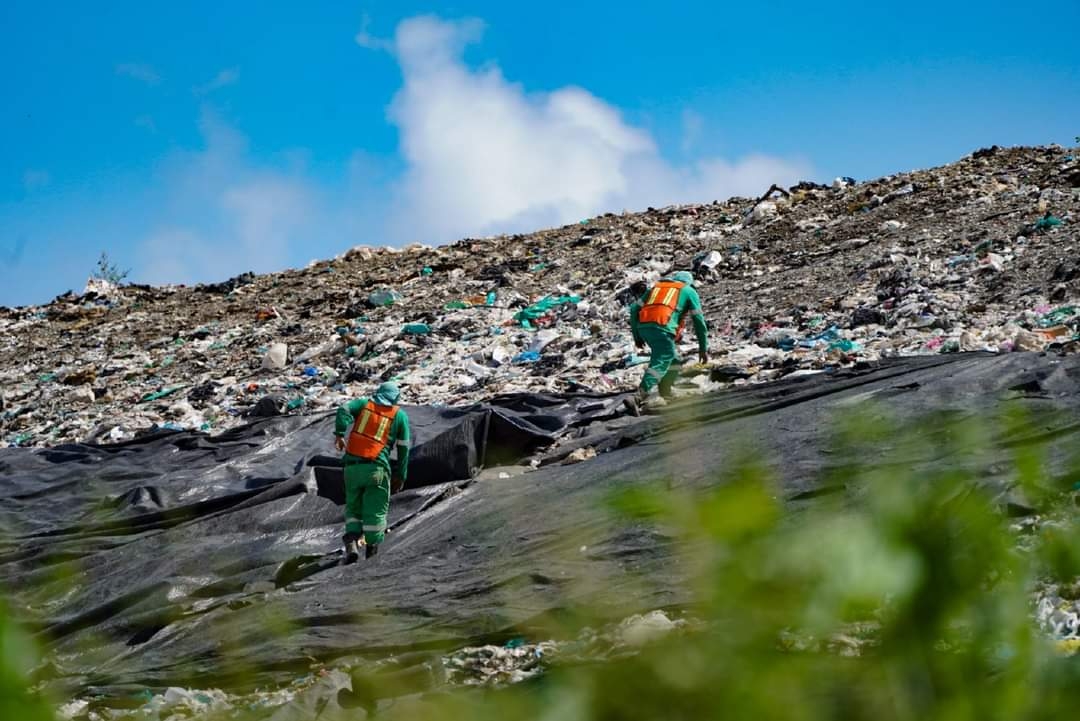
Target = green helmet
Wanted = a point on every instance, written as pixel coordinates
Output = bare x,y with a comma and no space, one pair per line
387,394
683,276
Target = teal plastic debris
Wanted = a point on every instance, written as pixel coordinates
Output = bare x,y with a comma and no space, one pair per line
527,316
1047,221
416,329
515,643
844,346
529,356
295,403
829,336
384,297
490,299
1058,316
156,395
427,271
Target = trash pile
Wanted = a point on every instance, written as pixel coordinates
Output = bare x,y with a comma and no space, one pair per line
977,255
359,683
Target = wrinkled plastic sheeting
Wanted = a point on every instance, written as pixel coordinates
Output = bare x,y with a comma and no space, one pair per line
465,563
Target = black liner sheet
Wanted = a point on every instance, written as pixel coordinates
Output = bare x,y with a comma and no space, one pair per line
188,560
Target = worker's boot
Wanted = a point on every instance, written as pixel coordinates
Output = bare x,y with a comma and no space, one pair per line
370,550
352,549
653,401
632,404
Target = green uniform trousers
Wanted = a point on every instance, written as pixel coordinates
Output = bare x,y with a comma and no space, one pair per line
663,366
367,500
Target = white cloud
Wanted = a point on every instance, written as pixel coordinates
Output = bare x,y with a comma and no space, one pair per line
224,78
484,155
366,40
479,154
224,214
693,127
139,71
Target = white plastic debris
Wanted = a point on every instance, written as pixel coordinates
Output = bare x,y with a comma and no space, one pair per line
276,357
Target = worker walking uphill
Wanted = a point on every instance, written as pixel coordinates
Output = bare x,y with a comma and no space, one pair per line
657,320
368,430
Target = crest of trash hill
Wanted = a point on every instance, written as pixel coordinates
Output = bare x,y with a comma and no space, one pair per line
981,254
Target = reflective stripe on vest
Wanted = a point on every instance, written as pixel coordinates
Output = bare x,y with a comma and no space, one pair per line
371,431
661,303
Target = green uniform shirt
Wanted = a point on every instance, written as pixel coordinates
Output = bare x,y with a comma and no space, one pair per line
399,437
689,303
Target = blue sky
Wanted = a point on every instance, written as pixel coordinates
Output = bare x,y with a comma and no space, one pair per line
193,141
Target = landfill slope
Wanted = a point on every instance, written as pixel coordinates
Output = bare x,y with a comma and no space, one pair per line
980,254
214,563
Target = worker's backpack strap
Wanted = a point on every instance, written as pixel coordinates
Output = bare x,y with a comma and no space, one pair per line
661,302
371,431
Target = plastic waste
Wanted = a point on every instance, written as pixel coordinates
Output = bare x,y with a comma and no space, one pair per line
764,210
384,297
530,315
276,356
844,346
320,350
164,393
416,329
500,355
543,339
824,338
528,356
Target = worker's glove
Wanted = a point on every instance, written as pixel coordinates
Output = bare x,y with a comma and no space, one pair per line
396,484
703,357
640,344
339,443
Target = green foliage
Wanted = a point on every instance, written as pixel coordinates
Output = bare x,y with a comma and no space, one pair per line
18,656
901,595
912,570
108,271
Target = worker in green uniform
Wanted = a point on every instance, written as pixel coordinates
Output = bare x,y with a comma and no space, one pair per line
656,320
368,430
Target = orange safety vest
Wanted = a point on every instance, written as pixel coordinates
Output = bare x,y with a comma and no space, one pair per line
660,303
371,431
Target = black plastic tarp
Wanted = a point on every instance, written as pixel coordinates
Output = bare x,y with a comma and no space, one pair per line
181,559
